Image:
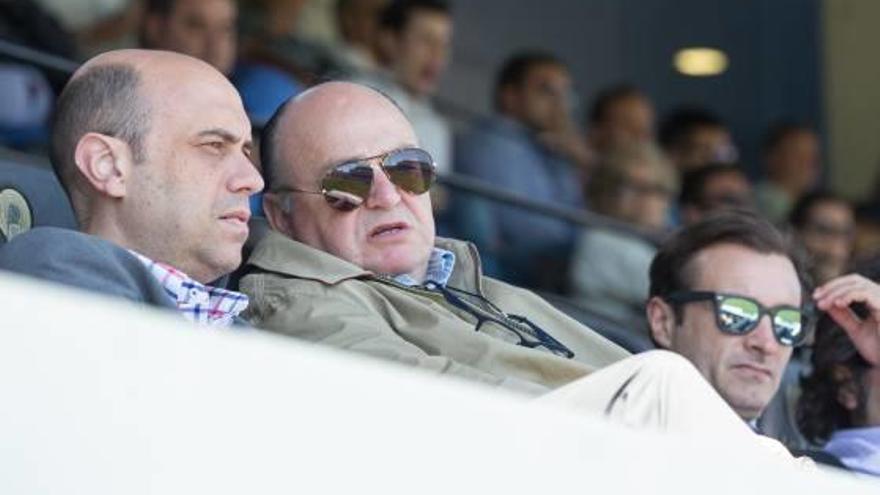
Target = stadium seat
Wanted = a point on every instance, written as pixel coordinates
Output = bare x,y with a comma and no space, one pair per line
30,195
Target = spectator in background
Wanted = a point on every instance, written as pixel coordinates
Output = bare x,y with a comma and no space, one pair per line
840,405
609,270
713,187
358,25
414,40
99,25
867,240
695,137
26,93
620,116
206,29
825,223
792,167
712,286
532,95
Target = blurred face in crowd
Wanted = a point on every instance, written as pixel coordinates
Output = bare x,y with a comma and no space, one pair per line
392,232
186,202
543,100
359,22
728,189
643,197
204,29
628,121
744,369
794,161
420,52
828,235
705,144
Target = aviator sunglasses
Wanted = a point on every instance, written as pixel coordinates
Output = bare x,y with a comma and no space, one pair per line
739,315
347,185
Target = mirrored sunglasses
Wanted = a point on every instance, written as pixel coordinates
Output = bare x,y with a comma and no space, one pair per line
347,185
739,315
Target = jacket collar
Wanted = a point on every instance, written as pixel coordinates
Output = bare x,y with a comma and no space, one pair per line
277,253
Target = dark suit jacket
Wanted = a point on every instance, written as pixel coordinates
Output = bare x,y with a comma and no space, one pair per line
83,261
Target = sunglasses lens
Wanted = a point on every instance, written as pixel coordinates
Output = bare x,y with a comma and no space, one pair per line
788,326
411,169
737,315
347,186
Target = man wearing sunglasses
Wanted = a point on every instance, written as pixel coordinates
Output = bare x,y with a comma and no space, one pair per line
352,260
729,294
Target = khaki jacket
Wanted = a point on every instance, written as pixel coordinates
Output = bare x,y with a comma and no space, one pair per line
306,293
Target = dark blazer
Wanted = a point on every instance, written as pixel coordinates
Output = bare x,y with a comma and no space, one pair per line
83,261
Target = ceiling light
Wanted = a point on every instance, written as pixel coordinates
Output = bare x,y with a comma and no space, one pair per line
700,61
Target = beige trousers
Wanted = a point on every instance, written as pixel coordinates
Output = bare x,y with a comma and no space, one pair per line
662,391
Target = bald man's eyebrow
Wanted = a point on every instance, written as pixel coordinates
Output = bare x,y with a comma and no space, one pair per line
228,137
223,134
357,158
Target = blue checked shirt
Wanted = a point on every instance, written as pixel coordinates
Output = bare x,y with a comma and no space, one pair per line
440,266
197,302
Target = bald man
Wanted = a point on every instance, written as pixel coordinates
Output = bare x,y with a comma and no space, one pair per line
153,149
352,262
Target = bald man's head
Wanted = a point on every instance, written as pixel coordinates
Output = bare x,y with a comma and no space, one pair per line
303,115
154,150
106,99
330,130
109,94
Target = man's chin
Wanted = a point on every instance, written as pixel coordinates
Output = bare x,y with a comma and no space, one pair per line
749,406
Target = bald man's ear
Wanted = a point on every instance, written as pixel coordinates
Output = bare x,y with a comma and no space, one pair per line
277,212
105,162
661,320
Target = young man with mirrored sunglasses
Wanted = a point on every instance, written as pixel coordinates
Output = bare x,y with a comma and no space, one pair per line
729,293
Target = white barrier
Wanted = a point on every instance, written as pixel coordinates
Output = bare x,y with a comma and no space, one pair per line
100,397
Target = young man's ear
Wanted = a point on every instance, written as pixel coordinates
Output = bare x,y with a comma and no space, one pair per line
105,162
661,321
847,390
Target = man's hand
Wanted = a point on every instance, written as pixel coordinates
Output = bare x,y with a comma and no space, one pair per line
835,297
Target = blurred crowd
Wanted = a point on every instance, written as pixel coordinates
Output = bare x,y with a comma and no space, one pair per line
648,173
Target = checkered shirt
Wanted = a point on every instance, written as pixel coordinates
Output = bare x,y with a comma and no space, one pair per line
197,302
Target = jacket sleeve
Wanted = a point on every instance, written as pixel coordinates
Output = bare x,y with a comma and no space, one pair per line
345,323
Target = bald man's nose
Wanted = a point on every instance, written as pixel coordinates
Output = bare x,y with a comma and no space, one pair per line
383,193
246,178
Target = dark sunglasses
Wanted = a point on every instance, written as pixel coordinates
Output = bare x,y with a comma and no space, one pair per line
347,185
739,315
491,320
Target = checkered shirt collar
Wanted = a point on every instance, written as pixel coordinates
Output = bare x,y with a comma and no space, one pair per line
440,266
197,302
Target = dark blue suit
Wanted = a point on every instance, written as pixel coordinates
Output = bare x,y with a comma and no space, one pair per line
83,261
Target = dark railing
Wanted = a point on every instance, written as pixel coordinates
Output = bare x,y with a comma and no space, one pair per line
455,182
36,57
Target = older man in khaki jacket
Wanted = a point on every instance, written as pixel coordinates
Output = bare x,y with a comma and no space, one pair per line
352,262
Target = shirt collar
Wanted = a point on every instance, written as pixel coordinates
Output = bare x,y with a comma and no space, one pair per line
440,267
197,302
